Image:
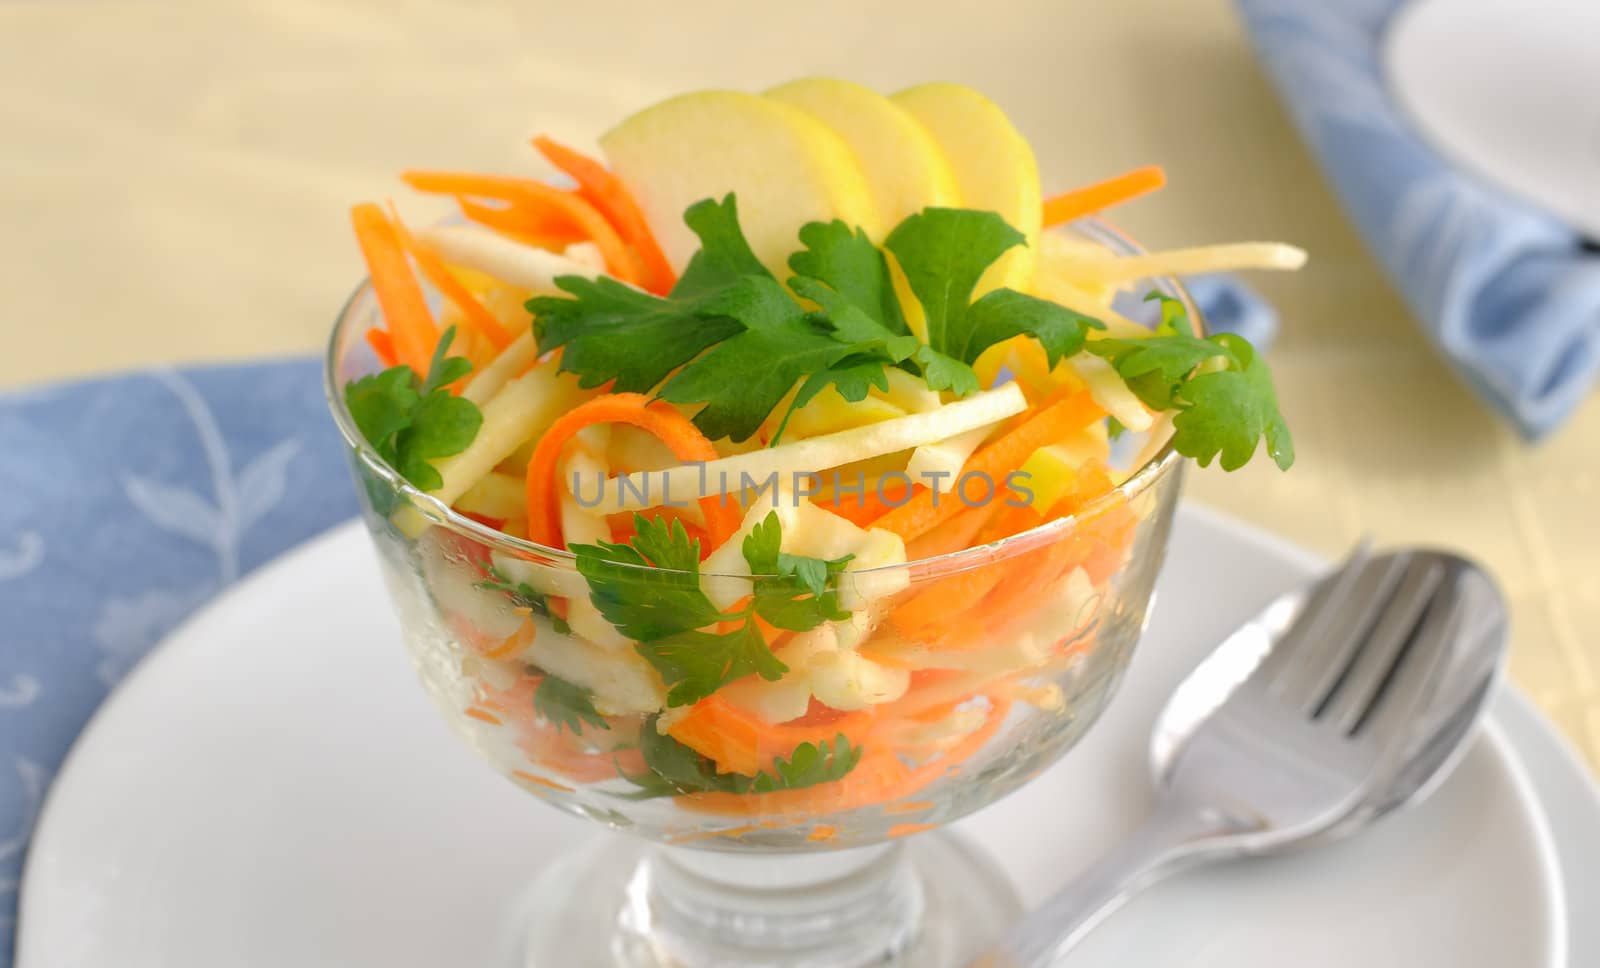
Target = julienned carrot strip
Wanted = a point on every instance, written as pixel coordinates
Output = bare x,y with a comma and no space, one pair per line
865,508
1053,419
541,781
954,535
607,192
739,741
1031,572
536,196
543,228
881,776
672,428
405,309
480,319
944,598
1089,199
382,345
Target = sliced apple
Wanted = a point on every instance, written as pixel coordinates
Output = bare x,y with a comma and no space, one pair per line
905,170
993,164
786,167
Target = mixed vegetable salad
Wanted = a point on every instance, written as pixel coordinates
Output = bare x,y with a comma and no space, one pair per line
743,373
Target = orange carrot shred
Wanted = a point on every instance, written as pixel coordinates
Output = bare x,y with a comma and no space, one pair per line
546,229
382,345
1089,199
606,191
1051,420
675,430
536,196
479,318
405,309
535,778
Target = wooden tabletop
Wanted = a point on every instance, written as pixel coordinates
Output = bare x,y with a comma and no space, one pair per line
175,180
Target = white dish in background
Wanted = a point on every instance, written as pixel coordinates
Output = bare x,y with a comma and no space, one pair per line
1510,91
271,788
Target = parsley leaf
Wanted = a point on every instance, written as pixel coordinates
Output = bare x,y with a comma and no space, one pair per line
650,590
567,705
792,592
697,663
677,770
738,341
1219,385
411,422
944,252
809,764
744,377
840,268
610,331
1230,410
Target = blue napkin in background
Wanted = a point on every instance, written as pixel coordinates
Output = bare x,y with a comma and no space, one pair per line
1507,293
128,503
131,501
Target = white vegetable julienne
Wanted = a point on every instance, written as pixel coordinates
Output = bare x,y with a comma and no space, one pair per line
523,266
623,682
1069,292
815,533
944,456
789,697
522,410
587,254
1112,270
908,392
585,458
849,681
1110,391
511,361
729,474
495,495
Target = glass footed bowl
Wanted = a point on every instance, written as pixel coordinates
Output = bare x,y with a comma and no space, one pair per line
972,705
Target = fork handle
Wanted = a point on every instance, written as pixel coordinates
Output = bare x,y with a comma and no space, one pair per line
1167,841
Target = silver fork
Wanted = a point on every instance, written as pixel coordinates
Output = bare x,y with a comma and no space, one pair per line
1289,753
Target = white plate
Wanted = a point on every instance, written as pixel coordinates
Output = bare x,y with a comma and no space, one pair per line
1509,90
271,788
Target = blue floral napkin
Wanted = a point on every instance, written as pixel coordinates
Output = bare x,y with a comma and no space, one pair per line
129,502
1510,295
125,504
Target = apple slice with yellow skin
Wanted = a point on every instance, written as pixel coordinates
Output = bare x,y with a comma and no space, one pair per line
786,167
994,167
905,170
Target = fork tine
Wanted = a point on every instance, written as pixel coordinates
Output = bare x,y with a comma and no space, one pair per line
1306,683
1320,613
1393,711
1387,648
1317,647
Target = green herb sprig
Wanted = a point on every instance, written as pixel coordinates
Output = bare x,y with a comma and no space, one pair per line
676,770
410,420
649,588
1219,386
